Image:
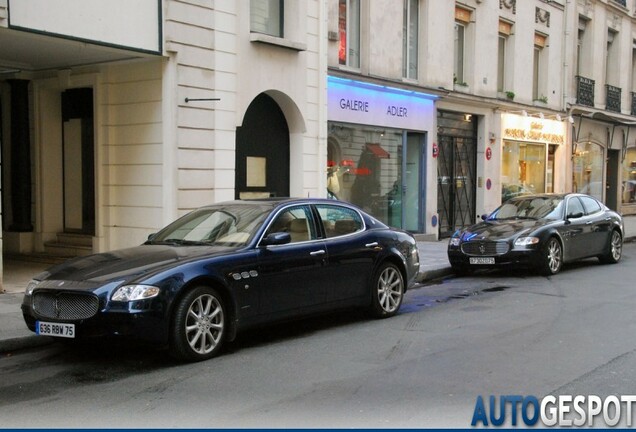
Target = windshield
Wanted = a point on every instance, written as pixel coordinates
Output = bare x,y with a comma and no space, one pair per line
545,207
223,225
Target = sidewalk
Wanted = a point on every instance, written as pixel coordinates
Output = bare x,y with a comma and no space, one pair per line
14,334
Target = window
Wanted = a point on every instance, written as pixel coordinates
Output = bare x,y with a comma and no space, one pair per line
460,31
538,67
339,221
501,63
575,207
266,16
611,59
523,169
410,35
629,176
591,205
505,30
587,169
349,29
462,19
296,221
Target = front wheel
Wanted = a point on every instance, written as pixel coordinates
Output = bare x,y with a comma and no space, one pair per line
387,291
551,257
615,251
198,325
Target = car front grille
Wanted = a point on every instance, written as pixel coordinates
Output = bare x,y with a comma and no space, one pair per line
65,306
485,248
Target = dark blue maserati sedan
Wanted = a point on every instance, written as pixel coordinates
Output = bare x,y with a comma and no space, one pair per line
223,268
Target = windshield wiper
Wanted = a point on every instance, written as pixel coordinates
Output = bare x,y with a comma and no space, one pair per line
180,242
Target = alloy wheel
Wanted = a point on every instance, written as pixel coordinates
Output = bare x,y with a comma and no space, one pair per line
204,324
616,246
390,289
554,256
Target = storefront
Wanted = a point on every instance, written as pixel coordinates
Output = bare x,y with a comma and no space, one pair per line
530,155
379,151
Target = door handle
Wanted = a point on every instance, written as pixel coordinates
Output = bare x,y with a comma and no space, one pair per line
317,253
372,245
589,222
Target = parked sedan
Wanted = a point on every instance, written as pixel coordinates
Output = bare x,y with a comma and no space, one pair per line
223,268
539,231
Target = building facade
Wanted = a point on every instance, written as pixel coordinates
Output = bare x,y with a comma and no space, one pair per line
118,117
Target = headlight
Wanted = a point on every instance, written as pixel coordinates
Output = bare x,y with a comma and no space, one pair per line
135,292
526,241
455,241
31,286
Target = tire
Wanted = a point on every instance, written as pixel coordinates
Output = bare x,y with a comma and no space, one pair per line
387,291
615,249
198,325
551,257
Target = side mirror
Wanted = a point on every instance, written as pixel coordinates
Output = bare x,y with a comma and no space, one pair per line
575,215
151,236
484,216
277,238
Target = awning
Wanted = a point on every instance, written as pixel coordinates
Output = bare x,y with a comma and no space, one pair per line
378,151
613,119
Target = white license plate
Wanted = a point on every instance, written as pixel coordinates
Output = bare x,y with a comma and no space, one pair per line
55,329
482,260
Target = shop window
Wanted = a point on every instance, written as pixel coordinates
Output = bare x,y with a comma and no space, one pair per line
266,16
629,177
587,169
410,38
523,169
349,30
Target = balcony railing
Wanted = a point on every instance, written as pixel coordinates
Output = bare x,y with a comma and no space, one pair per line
621,2
612,98
633,111
584,91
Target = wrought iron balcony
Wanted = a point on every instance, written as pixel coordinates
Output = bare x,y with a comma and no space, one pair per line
621,2
612,98
634,103
584,91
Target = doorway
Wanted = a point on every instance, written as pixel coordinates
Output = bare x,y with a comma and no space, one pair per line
456,172
612,196
78,152
262,151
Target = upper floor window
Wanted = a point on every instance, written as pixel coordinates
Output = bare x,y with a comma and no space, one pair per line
505,29
462,18
612,58
266,16
410,35
538,68
349,30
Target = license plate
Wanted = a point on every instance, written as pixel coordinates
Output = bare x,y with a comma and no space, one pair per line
55,329
482,260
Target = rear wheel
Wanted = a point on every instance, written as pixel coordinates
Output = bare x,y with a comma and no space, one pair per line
387,291
199,325
615,249
551,257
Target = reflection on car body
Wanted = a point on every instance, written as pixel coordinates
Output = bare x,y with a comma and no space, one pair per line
222,268
539,231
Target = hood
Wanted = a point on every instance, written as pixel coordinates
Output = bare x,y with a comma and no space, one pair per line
500,229
126,264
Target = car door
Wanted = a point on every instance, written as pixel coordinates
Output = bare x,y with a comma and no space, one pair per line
575,230
351,248
293,276
600,226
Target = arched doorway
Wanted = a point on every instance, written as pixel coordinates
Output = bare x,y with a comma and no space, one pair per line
262,151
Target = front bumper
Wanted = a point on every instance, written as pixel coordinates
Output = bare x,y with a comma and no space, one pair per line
143,324
523,258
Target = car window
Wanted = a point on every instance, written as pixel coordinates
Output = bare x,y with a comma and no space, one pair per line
339,221
575,206
591,205
296,221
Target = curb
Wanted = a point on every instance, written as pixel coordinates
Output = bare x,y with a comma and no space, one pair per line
20,343
430,275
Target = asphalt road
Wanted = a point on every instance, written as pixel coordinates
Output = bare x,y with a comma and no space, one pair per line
490,334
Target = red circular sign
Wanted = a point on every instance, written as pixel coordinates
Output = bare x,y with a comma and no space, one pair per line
435,150
488,153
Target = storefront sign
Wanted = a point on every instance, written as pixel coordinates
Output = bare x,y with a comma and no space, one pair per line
364,103
520,128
